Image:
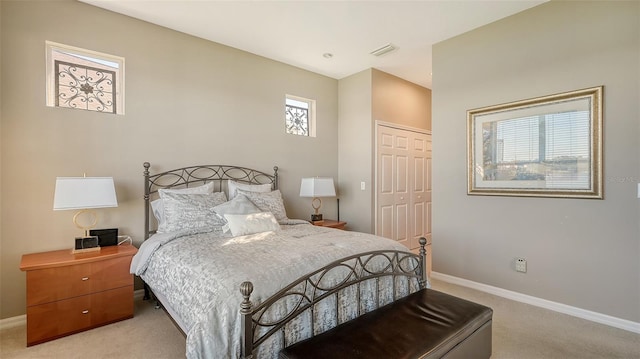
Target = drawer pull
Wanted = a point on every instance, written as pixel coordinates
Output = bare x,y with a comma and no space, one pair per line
85,278
85,312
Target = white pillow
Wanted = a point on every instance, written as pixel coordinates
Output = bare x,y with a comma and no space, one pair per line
239,205
192,212
158,208
244,224
235,186
268,202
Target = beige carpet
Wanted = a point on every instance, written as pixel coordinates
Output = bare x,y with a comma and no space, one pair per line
520,331
149,334
523,331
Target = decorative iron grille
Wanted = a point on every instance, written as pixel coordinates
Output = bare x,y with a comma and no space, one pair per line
297,120
85,87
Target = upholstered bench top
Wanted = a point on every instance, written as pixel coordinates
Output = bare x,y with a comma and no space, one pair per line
425,324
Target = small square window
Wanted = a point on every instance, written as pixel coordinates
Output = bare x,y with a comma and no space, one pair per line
300,116
84,79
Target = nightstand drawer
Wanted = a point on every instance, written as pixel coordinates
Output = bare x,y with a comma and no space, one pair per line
52,284
56,319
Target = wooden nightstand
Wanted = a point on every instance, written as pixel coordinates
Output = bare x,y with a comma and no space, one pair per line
69,293
331,223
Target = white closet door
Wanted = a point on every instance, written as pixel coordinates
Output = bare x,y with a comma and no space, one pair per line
393,193
420,154
403,185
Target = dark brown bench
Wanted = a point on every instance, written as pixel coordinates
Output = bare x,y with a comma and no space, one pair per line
425,324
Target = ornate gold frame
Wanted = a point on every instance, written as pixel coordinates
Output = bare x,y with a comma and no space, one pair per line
504,140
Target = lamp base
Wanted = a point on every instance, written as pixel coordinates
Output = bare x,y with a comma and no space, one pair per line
316,217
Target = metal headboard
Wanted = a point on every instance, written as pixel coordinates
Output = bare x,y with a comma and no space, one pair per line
197,175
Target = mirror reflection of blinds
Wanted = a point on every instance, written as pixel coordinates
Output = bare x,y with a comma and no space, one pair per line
567,136
518,140
557,136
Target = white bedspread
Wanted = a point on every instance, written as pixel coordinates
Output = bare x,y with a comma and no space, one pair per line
200,275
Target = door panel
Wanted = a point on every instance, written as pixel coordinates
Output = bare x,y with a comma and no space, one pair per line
386,222
402,224
386,178
386,140
402,167
419,224
402,141
419,184
403,181
428,218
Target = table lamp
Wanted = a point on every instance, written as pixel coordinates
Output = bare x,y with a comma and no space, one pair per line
84,194
317,187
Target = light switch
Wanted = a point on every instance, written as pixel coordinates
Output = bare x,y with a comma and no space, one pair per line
362,186
638,190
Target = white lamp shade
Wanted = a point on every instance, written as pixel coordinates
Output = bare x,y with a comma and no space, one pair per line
84,192
317,187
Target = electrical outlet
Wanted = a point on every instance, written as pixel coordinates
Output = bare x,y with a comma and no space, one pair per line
521,265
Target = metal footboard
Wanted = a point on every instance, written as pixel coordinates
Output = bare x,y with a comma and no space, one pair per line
308,291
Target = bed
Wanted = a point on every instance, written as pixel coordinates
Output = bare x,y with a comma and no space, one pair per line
216,234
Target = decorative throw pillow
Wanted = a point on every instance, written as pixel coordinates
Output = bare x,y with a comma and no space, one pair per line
268,202
244,224
240,204
191,211
235,186
158,208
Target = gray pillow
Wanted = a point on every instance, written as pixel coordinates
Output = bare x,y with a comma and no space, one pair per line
191,211
158,208
268,202
235,186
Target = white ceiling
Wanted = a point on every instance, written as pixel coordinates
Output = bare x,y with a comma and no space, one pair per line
299,32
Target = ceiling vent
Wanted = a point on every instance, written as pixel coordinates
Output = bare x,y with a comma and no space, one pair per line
383,50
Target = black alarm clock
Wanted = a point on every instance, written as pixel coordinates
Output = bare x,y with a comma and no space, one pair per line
86,242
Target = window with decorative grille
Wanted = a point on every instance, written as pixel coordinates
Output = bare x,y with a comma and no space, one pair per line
300,116
84,79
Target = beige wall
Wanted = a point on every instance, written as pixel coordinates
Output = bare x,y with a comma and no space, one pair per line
367,97
354,144
399,101
188,101
583,253
1,146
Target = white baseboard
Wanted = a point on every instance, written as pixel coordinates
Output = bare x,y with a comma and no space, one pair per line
22,319
542,303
